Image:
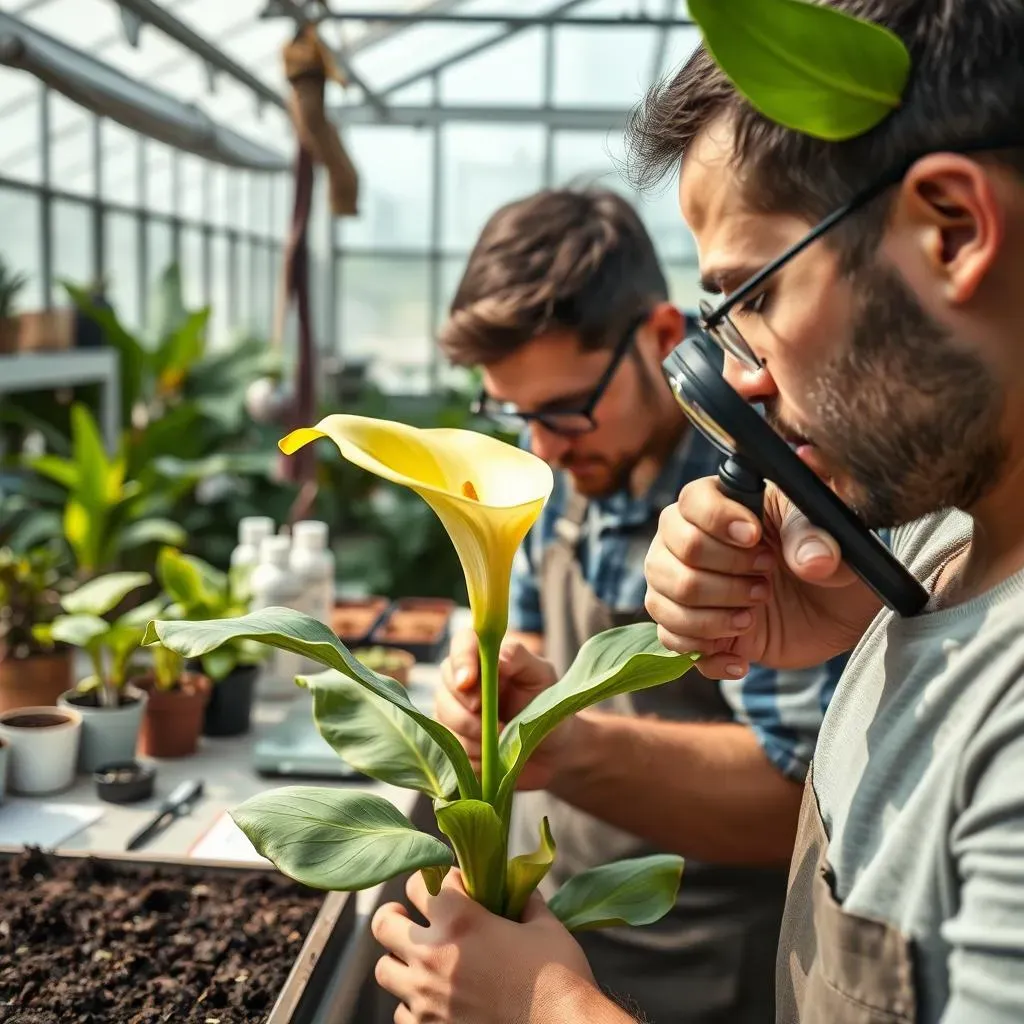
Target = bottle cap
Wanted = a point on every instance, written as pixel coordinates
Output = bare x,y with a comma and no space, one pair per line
310,534
253,529
275,550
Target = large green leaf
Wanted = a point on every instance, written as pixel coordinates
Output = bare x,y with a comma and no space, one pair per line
78,630
804,65
167,312
527,871
290,630
90,459
151,531
478,836
620,660
186,580
376,737
84,535
63,471
629,892
336,839
140,617
101,595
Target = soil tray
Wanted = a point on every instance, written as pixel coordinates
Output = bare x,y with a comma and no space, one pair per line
127,940
420,625
354,620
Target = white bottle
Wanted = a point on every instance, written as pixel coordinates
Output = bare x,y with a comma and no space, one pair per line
251,532
273,584
312,564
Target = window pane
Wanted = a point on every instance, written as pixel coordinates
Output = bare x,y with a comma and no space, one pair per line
265,290
192,202
218,208
384,312
20,149
20,243
452,270
395,186
121,252
261,210
219,290
72,246
510,72
486,166
684,286
120,174
159,251
602,67
159,178
238,200
71,147
193,268
245,314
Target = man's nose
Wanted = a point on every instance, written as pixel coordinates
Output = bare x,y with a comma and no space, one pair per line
754,385
548,445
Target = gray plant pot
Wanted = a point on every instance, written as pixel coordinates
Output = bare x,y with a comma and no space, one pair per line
108,734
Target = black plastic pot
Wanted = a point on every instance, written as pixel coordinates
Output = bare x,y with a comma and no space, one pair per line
124,782
230,708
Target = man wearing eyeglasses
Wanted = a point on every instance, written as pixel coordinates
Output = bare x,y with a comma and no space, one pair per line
873,306
565,308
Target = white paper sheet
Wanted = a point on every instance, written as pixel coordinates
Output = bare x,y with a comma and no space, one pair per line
28,823
224,840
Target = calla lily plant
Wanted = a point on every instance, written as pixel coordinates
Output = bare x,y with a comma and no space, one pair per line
488,494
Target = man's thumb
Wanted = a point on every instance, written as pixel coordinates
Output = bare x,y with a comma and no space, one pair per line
519,665
811,553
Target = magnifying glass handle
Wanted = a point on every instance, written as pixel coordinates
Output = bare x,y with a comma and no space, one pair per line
739,481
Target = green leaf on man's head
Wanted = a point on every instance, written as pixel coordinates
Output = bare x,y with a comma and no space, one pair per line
376,737
628,892
336,839
527,871
806,66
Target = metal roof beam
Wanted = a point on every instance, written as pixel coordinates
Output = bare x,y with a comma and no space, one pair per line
414,16
157,16
559,118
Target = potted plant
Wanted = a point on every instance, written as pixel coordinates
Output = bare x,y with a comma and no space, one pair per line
387,661
11,285
176,700
31,672
110,707
198,591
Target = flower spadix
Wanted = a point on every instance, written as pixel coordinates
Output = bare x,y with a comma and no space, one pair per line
486,492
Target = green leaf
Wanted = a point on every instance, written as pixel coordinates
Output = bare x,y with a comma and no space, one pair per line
629,892
182,349
336,839
78,630
101,595
219,664
90,460
189,581
139,618
434,877
63,471
620,660
376,737
151,531
477,834
806,66
290,630
83,535
527,871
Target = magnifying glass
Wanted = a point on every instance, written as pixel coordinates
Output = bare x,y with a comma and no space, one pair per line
753,452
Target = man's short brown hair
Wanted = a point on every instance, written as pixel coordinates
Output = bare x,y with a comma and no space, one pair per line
575,260
966,86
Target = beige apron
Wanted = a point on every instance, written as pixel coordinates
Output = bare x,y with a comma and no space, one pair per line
711,959
834,966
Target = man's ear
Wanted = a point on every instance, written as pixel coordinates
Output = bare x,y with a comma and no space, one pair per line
667,325
956,221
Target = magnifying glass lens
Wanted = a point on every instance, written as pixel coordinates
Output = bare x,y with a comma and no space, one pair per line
720,438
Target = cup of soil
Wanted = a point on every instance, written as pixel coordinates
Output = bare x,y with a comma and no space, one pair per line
43,747
354,619
124,782
229,710
108,733
174,716
35,681
388,661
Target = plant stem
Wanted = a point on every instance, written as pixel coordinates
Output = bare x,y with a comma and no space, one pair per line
490,773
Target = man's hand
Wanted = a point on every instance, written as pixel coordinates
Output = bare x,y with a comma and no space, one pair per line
468,965
720,584
521,676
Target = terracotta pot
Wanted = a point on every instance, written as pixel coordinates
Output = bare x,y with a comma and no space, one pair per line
9,328
173,718
46,330
35,681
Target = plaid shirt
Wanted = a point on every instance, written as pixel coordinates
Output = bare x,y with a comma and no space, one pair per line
783,708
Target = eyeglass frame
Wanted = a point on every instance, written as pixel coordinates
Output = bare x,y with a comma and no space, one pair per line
712,319
622,347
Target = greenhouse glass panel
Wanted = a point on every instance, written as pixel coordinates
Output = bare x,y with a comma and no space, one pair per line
192,173
193,267
486,166
72,159
509,72
602,67
20,126
159,186
72,246
20,242
396,183
220,285
121,255
120,170
159,251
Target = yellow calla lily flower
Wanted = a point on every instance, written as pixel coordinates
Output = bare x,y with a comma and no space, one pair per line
486,492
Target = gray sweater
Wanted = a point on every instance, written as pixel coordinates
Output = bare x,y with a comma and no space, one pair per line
919,773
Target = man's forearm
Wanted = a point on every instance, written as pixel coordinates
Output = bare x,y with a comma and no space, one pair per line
705,790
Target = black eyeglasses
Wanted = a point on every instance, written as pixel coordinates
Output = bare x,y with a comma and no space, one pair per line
715,320
569,421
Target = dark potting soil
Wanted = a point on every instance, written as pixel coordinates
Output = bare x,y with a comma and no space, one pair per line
91,942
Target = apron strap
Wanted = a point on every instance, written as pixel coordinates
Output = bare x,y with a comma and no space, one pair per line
569,527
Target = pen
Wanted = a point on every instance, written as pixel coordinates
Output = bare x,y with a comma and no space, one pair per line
179,802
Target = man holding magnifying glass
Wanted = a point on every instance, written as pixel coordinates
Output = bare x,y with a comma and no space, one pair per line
565,308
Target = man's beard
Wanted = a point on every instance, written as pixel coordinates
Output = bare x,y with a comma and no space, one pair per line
912,419
613,478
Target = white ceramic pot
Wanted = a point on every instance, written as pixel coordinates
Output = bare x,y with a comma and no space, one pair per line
42,748
108,734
